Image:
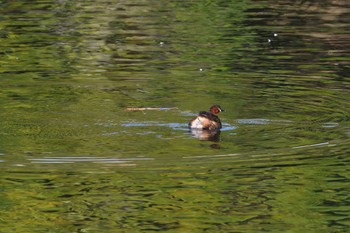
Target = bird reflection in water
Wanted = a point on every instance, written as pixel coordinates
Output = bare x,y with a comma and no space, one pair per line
207,135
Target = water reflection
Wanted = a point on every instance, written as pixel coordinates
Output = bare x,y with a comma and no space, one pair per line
206,135
73,159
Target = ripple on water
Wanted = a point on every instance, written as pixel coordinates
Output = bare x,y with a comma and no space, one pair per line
85,160
175,126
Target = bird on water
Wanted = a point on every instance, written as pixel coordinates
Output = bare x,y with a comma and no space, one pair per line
207,120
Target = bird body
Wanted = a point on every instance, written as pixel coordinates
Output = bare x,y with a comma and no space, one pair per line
207,120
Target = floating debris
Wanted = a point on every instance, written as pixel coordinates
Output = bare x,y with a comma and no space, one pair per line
151,109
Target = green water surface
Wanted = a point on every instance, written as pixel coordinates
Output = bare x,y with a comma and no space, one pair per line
74,159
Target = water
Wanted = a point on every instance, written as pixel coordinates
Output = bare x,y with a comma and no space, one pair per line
74,159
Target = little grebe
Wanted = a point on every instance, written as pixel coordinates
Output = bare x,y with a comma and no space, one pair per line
207,120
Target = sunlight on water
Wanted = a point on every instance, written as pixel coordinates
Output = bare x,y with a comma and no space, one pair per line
97,95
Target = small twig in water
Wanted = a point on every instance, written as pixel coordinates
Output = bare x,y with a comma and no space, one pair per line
144,109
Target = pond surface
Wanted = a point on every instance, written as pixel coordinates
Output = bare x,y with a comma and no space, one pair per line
73,158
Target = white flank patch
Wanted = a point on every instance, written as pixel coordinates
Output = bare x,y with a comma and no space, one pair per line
197,123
